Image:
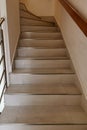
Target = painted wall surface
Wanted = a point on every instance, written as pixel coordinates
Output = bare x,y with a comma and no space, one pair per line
13,25
81,6
3,13
76,43
9,9
40,7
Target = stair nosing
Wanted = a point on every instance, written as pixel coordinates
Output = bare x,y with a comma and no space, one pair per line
26,58
46,58
23,93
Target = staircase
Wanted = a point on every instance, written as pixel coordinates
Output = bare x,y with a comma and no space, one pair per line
43,94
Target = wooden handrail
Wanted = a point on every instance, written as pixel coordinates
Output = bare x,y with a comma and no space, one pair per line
77,17
1,21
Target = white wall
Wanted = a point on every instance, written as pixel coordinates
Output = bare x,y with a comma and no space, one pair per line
76,42
40,7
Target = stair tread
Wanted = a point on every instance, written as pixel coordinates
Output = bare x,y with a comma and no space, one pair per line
31,40
41,33
33,19
44,71
40,26
43,48
62,115
46,48
38,35
27,58
37,20
43,58
45,89
42,43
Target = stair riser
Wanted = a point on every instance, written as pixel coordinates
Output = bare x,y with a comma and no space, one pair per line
26,15
42,43
41,35
25,21
34,79
42,52
38,29
55,100
45,89
42,64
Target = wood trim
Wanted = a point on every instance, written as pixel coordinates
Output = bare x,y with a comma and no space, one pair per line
77,17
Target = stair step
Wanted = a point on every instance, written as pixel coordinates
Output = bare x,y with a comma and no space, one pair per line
45,89
44,71
37,35
26,14
23,8
31,22
43,52
26,78
46,58
39,29
42,43
42,127
43,94
25,63
44,115
23,99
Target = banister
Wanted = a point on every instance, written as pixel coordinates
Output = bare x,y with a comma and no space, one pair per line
2,49
77,17
1,21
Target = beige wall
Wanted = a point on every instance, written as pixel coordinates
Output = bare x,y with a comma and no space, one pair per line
13,25
76,43
40,7
9,9
3,12
81,6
